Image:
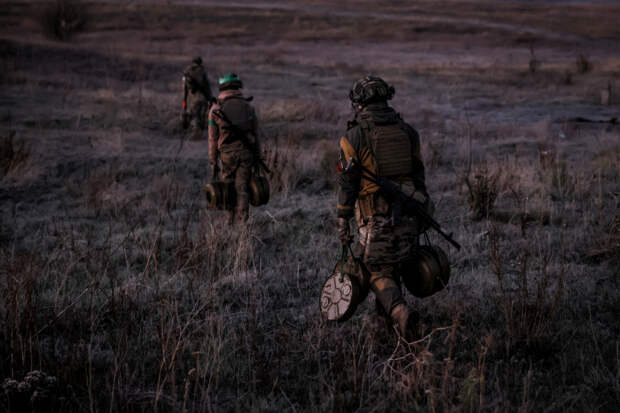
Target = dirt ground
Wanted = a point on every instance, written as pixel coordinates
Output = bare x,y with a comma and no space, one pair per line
118,283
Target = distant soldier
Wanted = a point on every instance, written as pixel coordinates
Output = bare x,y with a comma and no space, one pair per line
383,143
196,87
233,140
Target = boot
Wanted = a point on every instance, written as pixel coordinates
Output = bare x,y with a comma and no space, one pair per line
405,322
400,316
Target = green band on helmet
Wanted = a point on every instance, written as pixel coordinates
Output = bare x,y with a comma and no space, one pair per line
229,77
211,123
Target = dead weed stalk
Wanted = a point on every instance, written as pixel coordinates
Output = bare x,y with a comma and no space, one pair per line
530,292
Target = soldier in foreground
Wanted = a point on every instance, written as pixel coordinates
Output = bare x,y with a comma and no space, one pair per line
196,88
380,141
233,141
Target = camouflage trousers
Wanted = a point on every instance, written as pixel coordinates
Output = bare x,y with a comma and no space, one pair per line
384,248
237,168
198,111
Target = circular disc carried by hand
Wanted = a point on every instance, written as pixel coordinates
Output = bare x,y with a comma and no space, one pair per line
339,299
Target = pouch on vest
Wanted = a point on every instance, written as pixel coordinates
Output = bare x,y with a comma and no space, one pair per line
391,147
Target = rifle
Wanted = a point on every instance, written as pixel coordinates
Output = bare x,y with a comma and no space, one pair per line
392,190
244,139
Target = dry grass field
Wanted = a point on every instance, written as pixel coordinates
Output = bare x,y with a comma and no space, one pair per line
120,292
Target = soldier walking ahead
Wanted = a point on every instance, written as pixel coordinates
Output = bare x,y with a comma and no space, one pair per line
381,141
196,87
233,140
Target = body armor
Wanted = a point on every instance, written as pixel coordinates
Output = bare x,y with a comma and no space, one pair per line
391,157
392,150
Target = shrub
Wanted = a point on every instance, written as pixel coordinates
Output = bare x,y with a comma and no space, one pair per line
530,292
566,78
583,64
63,18
482,192
12,154
534,64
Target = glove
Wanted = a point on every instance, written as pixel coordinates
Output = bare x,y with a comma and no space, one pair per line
419,197
344,232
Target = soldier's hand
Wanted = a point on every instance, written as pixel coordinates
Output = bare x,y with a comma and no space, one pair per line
420,197
185,120
429,208
344,231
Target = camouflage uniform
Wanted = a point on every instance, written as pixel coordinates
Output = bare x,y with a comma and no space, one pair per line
382,142
198,92
237,160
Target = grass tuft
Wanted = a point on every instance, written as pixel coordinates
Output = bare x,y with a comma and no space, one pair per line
483,191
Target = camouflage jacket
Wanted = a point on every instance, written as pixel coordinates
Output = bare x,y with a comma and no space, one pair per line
238,111
359,143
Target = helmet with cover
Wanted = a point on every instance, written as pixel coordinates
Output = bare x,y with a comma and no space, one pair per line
370,89
230,81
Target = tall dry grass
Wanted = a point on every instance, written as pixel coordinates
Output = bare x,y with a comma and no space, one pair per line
119,292
159,307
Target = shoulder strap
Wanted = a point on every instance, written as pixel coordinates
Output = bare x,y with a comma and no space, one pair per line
367,130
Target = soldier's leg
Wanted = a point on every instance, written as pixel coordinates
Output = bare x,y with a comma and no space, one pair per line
230,164
242,183
198,119
390,299
387,291
381,246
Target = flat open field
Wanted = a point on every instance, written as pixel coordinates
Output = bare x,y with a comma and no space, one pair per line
128,295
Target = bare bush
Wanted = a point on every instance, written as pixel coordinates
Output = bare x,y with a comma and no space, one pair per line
583,64
547,155
530,293
483,191
534,64
63,18
12,154
608,245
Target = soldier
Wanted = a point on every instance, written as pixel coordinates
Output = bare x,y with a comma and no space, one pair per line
233,140
382,142
196,85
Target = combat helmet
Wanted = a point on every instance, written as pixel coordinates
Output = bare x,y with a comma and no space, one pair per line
197,60
370,89
230,81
